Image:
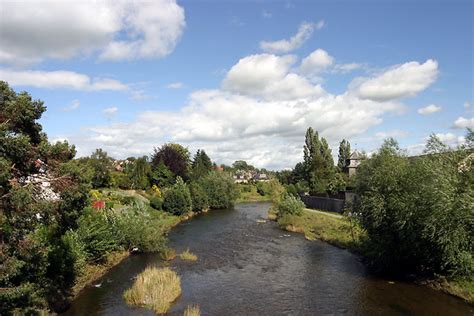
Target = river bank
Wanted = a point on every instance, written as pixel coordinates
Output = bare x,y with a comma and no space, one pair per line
339,231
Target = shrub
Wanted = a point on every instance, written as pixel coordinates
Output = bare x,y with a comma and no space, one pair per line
167,253
291,189
137,227
177,199
156,203
199,198
290,205
220,189
155,289
97,234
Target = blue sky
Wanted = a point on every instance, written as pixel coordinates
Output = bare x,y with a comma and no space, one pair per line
243,80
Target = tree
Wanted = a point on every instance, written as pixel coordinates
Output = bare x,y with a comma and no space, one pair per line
177,199
36,262
220,189
318,162
417,212
470,138
201,164
139,173
161,176
175,157
101,164
242,165
344,154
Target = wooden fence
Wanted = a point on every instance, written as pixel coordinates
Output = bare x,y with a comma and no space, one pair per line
323,203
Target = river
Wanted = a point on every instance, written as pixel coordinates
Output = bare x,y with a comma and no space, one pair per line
250,268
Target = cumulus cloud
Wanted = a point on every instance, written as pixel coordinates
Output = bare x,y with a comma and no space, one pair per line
346,68
110,112
59,79
402,81
429,109
305,31
462,123
451,139
117,30
269,77
315,62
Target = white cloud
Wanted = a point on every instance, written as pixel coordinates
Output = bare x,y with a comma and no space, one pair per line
59,79
316,62
175,85
451,139
305,31
346,68
268,76
429,109
74,105
462,122
117,30
405,80
467,104
393,133
110,112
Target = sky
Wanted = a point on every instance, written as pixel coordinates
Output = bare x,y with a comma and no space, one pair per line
243,79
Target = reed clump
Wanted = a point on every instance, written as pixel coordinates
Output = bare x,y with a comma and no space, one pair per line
188,255
155,289
192,310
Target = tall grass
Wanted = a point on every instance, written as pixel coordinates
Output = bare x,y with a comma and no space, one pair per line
192,310
155,288
188,255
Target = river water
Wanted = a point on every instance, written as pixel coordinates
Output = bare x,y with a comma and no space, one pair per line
250,268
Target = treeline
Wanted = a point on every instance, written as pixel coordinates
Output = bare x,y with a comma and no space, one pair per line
317,174
59,214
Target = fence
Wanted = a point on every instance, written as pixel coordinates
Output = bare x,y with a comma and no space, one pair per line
323,203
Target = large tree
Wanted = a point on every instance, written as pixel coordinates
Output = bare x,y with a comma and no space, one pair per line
36,262
318,161
344,154
175,157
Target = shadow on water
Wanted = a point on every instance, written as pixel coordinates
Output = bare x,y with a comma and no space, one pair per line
250,268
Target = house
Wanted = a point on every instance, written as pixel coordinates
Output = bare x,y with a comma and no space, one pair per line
353,162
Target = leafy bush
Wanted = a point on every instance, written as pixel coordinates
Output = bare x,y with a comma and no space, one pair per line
156,203
177,199
417,212
199,198
290,205
220,189
97,235
291,189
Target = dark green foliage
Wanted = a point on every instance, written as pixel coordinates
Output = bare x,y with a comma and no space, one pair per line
318,162
177,199
292,190
175,157
161,176
261,188
290,205
337,183
101,163
156,203
242,165
199,198
344,154
417,212
140,172
220,189
37,264
98,235
201,164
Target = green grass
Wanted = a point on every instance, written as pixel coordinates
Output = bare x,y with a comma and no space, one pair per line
334,230
252,196
155,289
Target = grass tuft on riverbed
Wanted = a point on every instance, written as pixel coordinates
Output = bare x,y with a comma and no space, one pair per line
188,255
155,289
192,310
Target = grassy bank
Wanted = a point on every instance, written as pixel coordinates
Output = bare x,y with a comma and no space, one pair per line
336,230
